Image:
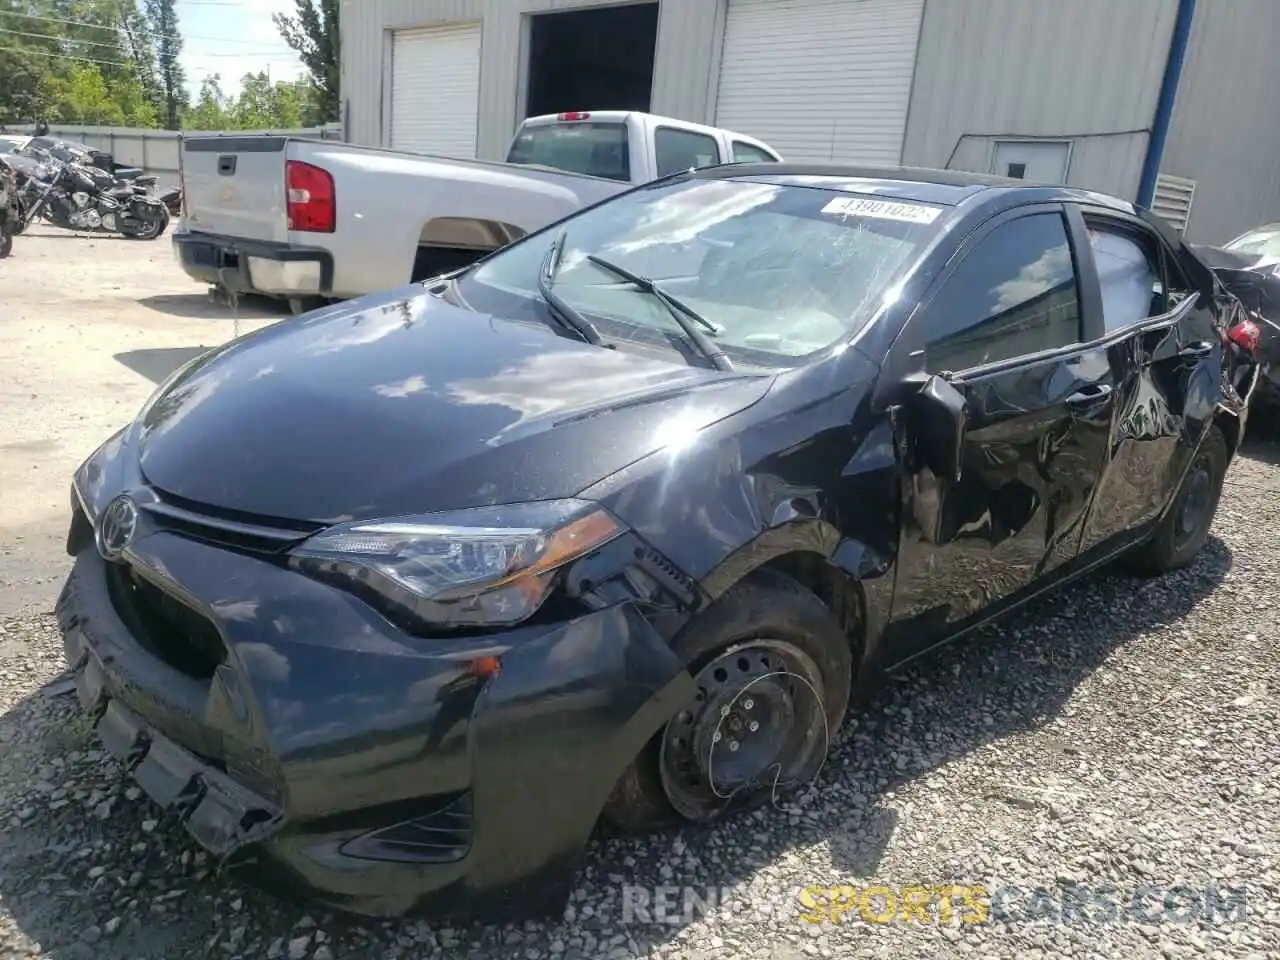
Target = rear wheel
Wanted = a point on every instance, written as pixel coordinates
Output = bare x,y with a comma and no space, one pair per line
151,226
1185,528
773,670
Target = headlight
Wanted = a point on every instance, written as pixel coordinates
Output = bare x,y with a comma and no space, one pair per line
490,566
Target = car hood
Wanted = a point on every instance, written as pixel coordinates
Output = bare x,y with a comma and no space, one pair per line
400,403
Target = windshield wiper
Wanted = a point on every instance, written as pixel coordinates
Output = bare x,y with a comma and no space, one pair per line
683,314
564,314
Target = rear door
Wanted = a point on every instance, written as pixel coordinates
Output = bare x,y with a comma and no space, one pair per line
1162,343
235,186
1003,324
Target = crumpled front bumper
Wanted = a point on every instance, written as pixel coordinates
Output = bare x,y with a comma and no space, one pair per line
321,728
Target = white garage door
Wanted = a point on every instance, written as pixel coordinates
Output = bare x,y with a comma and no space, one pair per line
820,79
435,90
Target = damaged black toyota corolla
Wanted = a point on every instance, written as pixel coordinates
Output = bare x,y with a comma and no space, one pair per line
398,600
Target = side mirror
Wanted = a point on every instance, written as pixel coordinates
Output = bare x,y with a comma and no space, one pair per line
940,414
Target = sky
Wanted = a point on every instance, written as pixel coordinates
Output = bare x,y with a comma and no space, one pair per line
232,38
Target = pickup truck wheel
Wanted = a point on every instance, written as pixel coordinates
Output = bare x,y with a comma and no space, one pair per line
773,669
1185,528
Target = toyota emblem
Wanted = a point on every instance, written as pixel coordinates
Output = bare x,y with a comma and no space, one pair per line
116,528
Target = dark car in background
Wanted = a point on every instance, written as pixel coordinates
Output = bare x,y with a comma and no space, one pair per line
396,601
1249,266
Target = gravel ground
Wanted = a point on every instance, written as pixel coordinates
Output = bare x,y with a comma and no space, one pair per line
1124,734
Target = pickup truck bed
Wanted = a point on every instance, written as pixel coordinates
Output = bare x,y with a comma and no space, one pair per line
301,218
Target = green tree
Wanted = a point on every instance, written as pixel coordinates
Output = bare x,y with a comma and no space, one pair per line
313,34
168,43
81,96
263,105
212,107
87,60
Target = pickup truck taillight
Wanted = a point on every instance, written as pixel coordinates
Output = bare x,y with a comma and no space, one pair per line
311,204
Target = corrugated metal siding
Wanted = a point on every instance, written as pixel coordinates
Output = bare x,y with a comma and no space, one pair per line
685,61
1226,120
1040,68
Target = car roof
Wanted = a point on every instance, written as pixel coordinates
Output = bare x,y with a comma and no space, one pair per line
922,184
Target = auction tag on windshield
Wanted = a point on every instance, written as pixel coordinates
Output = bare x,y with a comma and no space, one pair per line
882,210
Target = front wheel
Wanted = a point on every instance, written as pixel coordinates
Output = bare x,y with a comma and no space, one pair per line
773,670
1185,527
6,244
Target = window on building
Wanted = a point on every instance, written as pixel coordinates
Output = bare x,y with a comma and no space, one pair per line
749,153
1014,294
678,150
1129,275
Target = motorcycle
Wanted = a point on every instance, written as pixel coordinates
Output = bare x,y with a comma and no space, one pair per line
77,197
9,211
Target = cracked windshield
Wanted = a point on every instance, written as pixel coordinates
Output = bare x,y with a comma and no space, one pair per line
778,272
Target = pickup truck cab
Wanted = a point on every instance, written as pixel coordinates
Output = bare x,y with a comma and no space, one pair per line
628,146
314,220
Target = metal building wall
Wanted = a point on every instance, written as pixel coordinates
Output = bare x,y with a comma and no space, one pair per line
685,63
1226,120
1085,69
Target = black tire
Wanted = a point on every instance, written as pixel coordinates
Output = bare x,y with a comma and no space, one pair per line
765,607
6,244
153,226
1179,537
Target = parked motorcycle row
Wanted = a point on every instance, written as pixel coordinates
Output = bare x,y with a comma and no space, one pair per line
57,185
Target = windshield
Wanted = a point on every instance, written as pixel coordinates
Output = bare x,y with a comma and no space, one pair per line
8,146
596,149
780,272
1264,242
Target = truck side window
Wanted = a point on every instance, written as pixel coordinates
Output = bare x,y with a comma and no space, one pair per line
677,150
1014,294
748,153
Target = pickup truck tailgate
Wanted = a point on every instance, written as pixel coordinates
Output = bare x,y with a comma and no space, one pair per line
235,186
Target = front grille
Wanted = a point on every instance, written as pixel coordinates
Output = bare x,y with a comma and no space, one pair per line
168,628
225,528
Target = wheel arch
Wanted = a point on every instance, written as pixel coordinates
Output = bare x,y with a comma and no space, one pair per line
812,553
450,242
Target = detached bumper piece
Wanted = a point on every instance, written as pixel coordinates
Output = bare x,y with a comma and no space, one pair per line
219,813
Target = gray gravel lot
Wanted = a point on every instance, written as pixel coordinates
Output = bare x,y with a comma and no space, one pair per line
1123,734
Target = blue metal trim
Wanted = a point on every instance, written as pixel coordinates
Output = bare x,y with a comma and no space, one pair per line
1164,107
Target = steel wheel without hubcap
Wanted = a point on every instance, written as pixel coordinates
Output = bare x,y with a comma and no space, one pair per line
758,722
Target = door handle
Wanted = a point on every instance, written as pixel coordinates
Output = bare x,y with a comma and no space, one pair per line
1089,396
1196,351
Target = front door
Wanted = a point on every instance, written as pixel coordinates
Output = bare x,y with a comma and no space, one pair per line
1005,326
1162,340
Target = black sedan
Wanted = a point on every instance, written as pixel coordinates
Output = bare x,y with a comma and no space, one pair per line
399,600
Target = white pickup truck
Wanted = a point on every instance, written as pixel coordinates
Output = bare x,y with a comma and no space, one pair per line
313,220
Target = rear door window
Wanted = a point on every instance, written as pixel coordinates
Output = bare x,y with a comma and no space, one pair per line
677,150
596,149
1128,265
